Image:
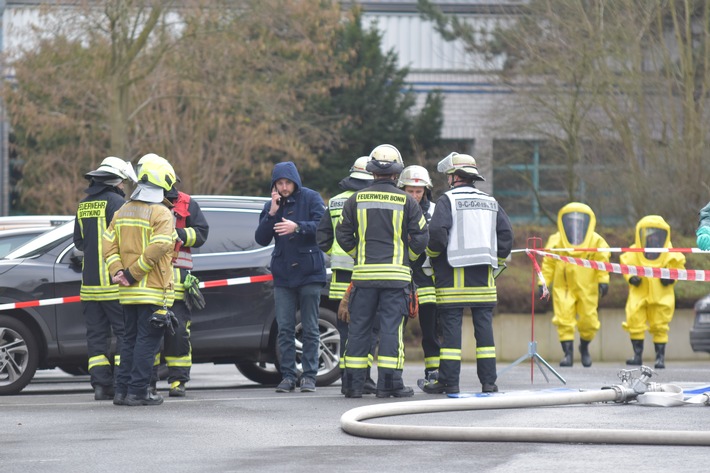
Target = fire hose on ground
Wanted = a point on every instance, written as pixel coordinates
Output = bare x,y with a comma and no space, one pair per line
631,388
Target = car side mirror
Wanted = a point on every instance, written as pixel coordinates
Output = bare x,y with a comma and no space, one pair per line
77,258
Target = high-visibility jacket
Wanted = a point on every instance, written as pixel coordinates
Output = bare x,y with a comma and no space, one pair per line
93,216
341,263
424,282
383,229
468,218
141,239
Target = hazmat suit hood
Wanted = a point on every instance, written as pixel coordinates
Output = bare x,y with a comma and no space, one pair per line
288,171
653,231
576,223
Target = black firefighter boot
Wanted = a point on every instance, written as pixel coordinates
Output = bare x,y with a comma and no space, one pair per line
638,353
584,351
568,349
660,355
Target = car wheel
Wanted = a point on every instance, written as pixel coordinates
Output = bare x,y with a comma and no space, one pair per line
328,349
262,373
19,355
74,370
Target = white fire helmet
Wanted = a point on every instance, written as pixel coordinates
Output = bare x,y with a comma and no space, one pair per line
463,165
359,169
384,160
416,176
113,166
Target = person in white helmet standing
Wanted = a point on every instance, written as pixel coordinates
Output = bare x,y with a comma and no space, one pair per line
471,237
341,263
99,295
383,229
416,182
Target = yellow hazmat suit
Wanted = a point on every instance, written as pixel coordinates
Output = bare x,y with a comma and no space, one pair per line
575,289
651,302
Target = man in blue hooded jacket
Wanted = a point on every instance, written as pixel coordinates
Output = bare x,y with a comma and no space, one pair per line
297,264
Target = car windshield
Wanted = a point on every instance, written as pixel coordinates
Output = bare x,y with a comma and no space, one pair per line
43,243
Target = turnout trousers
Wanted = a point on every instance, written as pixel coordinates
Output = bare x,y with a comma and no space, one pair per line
368,306
103,317
177,349
450,354
430,337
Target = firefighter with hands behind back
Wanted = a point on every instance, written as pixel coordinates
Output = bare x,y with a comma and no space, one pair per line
138,248
383,229
99,294
191,228
576,289
470,238
341,263
415,181
651,301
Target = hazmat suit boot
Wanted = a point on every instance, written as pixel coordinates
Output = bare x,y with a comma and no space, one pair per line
568,350
660,356
584,351
638,352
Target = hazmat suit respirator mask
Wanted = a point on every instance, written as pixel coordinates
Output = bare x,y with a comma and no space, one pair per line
575,225
653,238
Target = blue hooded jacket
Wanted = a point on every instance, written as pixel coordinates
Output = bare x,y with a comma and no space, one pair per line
296,259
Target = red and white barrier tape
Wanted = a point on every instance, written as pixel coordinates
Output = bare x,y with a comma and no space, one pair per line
203,285
619,250
642,271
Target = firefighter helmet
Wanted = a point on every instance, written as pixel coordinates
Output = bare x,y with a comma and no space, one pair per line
463,165
414,176
384,160
158,172
112,167
359,169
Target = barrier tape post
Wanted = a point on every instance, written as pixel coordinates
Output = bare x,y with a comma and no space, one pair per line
532,353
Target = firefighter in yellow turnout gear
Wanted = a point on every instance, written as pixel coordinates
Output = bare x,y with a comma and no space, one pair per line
576,289
651,301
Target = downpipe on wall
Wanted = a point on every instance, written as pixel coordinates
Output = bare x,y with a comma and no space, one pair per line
633,387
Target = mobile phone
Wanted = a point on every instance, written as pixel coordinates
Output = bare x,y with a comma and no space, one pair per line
280,199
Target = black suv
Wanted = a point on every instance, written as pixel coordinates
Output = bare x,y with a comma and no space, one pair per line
237,325
700,333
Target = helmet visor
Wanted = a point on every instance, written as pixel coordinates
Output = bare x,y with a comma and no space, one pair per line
446,165
653,238
575,225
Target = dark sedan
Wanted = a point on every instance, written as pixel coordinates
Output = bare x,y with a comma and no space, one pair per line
237,326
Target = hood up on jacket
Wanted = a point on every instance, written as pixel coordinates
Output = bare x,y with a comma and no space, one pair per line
288,171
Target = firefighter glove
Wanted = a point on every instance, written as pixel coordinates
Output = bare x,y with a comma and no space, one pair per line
635,281
343,312
194,300
164,318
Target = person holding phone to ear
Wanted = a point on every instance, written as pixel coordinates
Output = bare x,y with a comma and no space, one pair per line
291,218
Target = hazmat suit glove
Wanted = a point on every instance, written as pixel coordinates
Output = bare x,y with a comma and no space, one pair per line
667,282
603,289
540,292
635,281
703,239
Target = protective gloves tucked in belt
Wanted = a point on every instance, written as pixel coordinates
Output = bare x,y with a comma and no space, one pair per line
194,300
164,318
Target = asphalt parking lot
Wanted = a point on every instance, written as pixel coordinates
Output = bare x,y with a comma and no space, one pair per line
227,423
